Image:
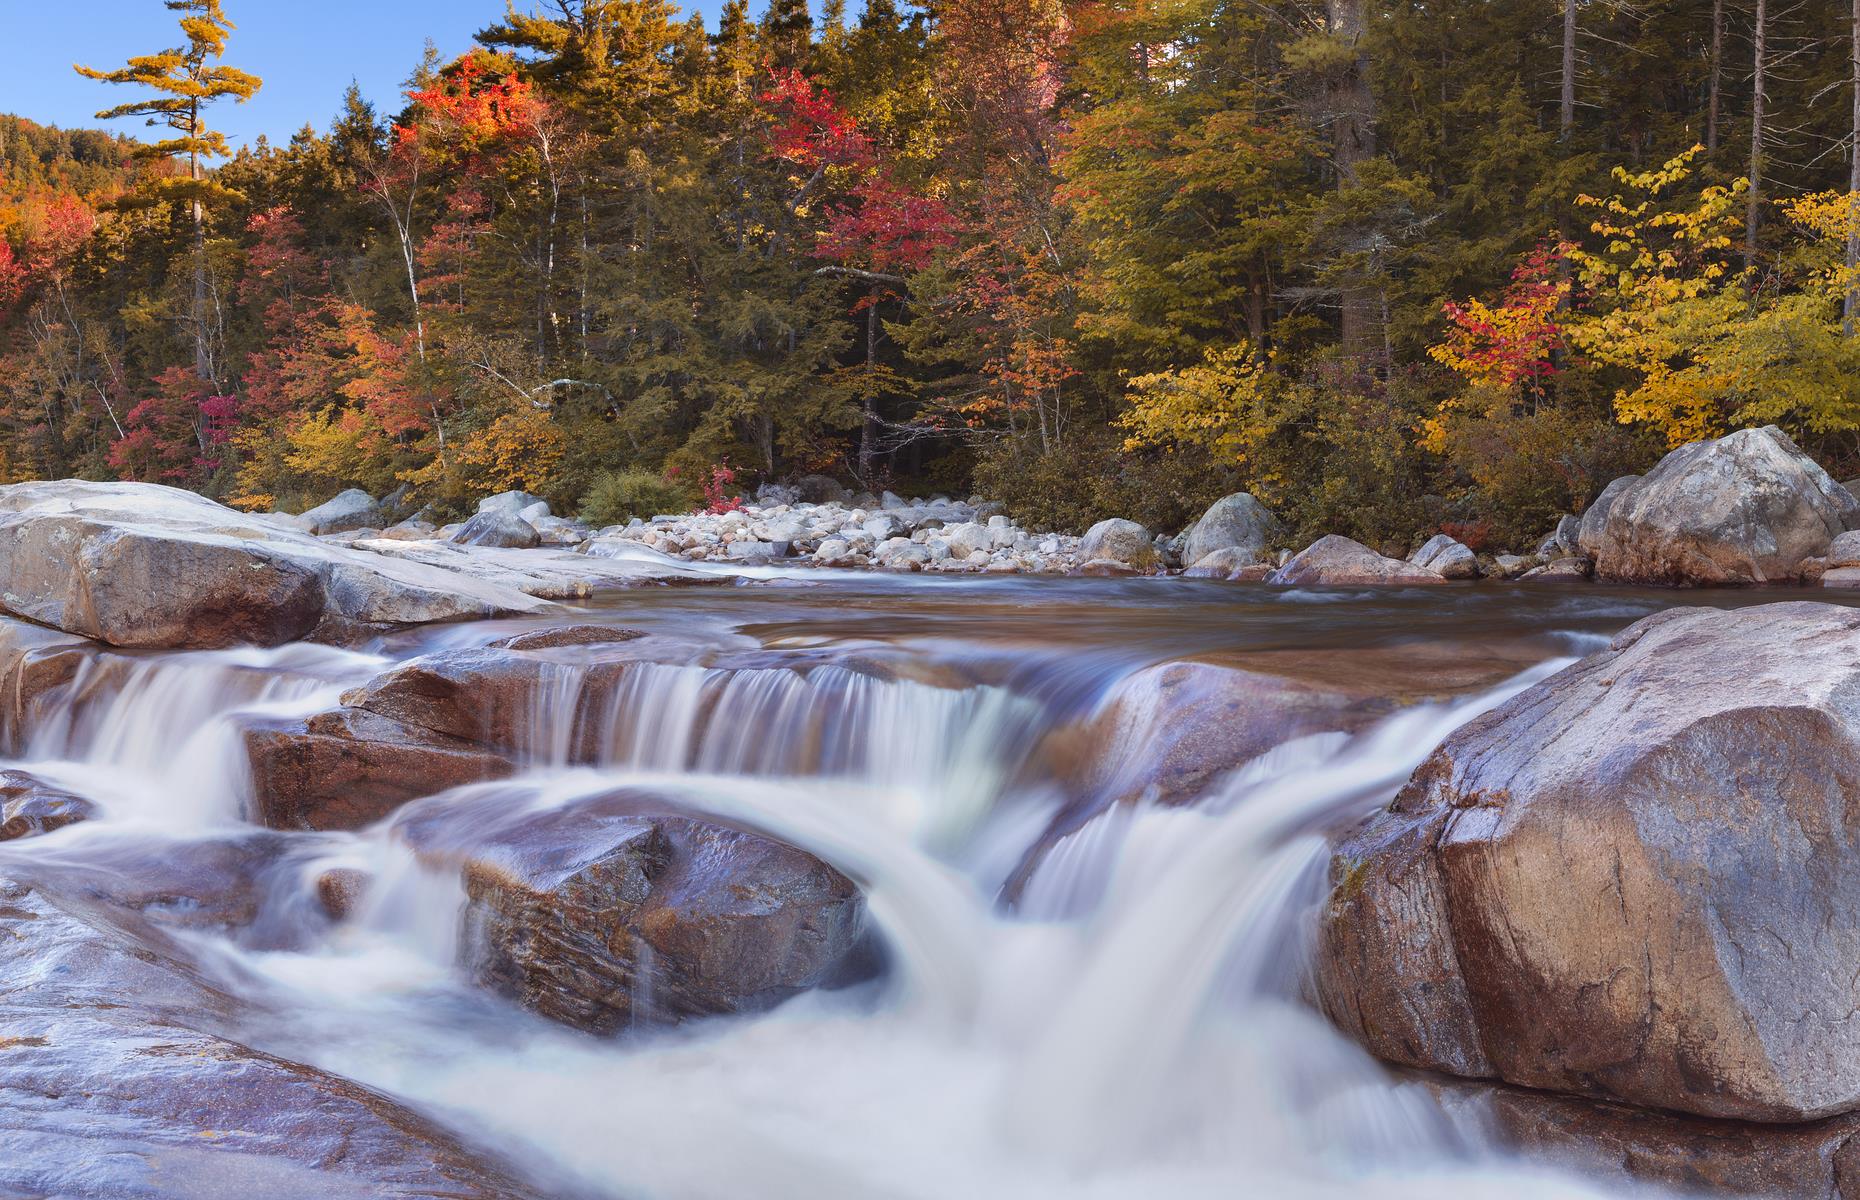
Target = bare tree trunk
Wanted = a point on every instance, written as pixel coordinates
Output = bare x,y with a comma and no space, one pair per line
1850,307
1566,119
1717,76
1352,113
1753,209
868,433
203,363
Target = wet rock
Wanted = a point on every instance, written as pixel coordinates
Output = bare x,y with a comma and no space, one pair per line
30,806
1636,881
1745,509
116,1081
1448,558
148,566
617,909
1238,524
498,527
1636,1147
569,635
1336,561
349,768
340,891
353,509
35,666
1119,541
1105,568
1167,733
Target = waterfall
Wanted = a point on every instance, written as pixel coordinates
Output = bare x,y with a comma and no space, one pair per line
1134,1024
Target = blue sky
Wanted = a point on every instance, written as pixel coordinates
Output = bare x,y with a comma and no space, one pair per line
307,51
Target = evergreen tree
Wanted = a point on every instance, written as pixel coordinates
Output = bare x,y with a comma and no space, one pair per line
189,79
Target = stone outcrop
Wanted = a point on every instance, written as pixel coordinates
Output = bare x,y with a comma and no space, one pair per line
1237,524
1638,880
618,910
148,566
1336,561
1745,509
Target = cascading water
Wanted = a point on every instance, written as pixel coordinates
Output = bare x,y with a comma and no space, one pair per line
1133,1024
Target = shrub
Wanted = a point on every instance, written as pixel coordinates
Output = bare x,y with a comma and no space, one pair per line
618,496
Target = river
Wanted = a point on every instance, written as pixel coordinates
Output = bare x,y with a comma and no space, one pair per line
1107,1008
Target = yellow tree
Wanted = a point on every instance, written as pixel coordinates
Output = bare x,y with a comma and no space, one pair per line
187,79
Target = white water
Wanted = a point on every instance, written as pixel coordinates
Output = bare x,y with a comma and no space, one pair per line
1134,1029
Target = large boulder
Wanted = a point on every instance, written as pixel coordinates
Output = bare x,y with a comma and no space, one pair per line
1236,523
511,503
1638,880
350,510
500,528
1745,509
1119,541
1336,561
148,566
1594,527
618,910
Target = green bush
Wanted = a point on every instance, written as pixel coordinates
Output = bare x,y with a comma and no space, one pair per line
618,496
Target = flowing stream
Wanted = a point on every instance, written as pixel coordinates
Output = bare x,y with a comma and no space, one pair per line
1117,1010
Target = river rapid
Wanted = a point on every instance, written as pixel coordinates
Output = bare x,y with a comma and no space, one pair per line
1115,1010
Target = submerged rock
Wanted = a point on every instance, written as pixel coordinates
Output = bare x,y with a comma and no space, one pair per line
1638,880
1336,561
114,1081
617,910
1745,509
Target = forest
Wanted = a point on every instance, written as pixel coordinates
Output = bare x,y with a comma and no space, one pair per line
1393,266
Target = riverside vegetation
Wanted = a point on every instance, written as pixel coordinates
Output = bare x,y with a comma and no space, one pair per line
1389,268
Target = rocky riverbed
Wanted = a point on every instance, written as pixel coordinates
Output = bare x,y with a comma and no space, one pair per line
1747,509
398,862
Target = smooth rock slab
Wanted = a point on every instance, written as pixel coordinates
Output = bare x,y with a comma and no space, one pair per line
1638,880
142,565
